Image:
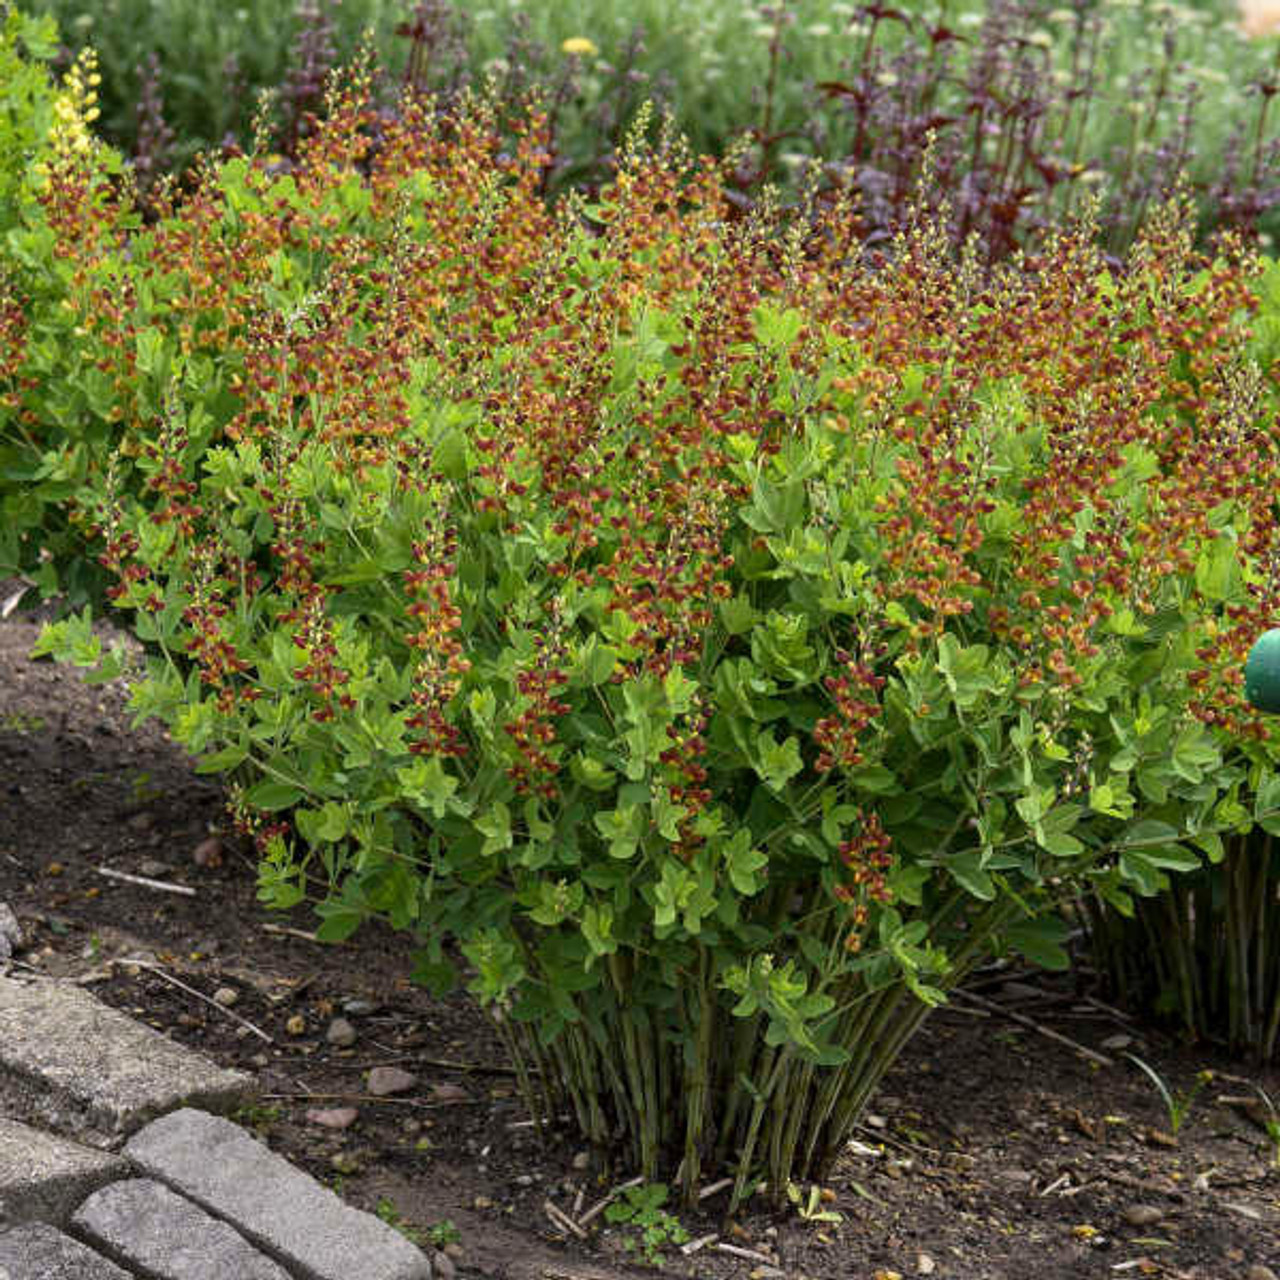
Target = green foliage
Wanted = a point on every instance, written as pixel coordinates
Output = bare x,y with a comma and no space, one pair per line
1177,1103
727,644
641,1207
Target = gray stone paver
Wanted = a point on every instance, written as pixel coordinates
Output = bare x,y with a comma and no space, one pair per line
118,1072
281,1209
145,1225
43,1178
36,1251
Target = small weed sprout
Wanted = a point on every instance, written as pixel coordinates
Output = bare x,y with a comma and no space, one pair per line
1177,1105
393,1218
641,1208
443,1233
811,1207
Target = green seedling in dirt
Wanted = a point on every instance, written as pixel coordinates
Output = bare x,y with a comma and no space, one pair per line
641,1207
444,1232
393,1218
18,722
256,1115
810,1207
1177,1105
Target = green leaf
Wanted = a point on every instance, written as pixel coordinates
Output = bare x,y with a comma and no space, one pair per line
222,761
1041,940
271,796
968,872
622,828
777,763
744,864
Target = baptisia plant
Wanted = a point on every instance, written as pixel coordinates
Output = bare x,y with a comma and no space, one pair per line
705,639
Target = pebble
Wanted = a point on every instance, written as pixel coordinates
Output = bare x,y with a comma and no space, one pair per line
358,1007
1259,1272
297,1025
1142,1215
386,1080
1113,1044
341,1033
334,1117
925,1265
226,996
153,867
582,1160
442,1266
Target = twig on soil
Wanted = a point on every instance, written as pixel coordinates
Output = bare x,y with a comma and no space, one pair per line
749,1254
535,1124
1100,1058
372,1099
199,995
1118,1014
444,1064
1055,1184
707,1192
700,1243
164,886
286,931
600,1206
561,1220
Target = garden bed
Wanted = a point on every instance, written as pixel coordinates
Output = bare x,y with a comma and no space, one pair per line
991,1151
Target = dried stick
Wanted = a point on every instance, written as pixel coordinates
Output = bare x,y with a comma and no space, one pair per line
146,882
1100,1058
597,1209
562,1220
750,1254
199,995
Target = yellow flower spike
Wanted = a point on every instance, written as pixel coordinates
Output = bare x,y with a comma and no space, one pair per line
579,46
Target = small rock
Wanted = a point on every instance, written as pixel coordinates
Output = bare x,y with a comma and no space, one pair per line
11,936
208,853
1117,1042
455,1250
1142,1215
482,1202
358,1007
876,1122
153,867
925,1265
297,1025
1259,1272
582,1160
442,1266
386,1080
341,1033
142,821
226,996
447,1092
334,1118
524,1180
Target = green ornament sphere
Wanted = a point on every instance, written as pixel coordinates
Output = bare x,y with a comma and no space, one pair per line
1262,672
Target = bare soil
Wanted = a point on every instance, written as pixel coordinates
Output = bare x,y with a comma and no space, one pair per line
991,1152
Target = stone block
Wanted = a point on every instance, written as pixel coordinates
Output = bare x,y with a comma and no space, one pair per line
115,1072
37,1251
282,1210
147,1227
43,1178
